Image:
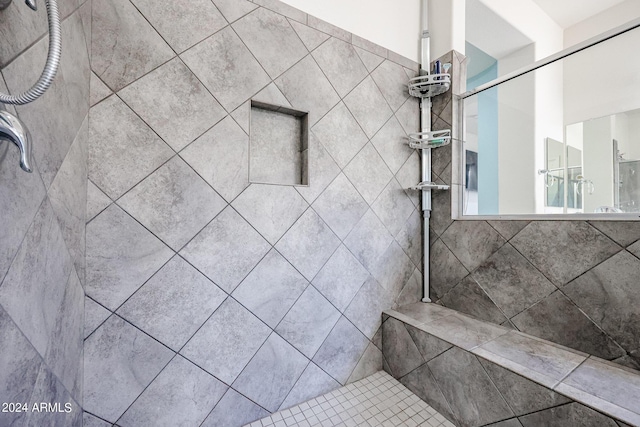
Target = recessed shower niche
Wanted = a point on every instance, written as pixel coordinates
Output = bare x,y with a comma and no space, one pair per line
279,148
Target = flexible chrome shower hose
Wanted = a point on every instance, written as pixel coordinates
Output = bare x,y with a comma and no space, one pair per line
50,68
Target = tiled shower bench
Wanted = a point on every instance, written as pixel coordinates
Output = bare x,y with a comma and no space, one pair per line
477,373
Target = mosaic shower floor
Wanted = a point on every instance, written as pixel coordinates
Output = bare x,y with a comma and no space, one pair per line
376,401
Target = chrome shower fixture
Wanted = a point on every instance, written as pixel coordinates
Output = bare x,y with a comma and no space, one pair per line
53,57
14,131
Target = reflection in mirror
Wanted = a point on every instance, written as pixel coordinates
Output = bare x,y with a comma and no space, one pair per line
549,141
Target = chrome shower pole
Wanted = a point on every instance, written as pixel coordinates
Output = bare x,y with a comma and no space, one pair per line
425,126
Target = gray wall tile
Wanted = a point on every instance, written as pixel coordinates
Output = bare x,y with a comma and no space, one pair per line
232,78
608,295
118,370
398,348
370,60
312,383
271,288
341,351
477,404
124,45
340,134
322,170
221,157
295,84
341,64
340,206
369,364
569,415
172,94
182,23
359,173
271,39
113,273
311,37
563,250
472,242
120,156
369,240
393,207
236,334
469,298
174,203
511,281
94,315
446,271
97,201
308,244
37,278
365,308
340,278
180,385
423,384
234,9
234,410
226,250
368,106
391,143
272,373
557,319
173,304
308,322
392,81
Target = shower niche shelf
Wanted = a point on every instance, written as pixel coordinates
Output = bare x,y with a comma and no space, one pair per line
278,145
429,85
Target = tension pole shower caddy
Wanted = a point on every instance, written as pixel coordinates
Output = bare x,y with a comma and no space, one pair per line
424,87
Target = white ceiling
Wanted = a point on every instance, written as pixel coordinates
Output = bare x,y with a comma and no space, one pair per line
569,12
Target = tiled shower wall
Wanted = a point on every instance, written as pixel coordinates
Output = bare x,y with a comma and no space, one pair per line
42,236
209,299
571,282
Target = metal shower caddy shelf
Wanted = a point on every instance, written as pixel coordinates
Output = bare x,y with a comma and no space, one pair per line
429,85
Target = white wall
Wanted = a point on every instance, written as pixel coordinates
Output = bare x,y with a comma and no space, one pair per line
598,162
603,80
598,24
516,136
391,24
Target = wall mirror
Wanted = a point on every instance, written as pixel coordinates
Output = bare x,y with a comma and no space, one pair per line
560,139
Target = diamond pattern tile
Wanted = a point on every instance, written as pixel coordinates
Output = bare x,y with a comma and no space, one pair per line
172,94
368,173
271,39
124,46
180,385
552,247
308,244
121,256
182,23
173,304
221,157
393,207
117,371
308,322
340,134
227,341
392,81
270,209
234,9
226,250
370,60
173,202
271,374
322,170
227,68
392,144
341,351
368,106
341,64
311,37
234,410
363,310
340,278
368,240
340,206
271,289
297,83
120,156
313,382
